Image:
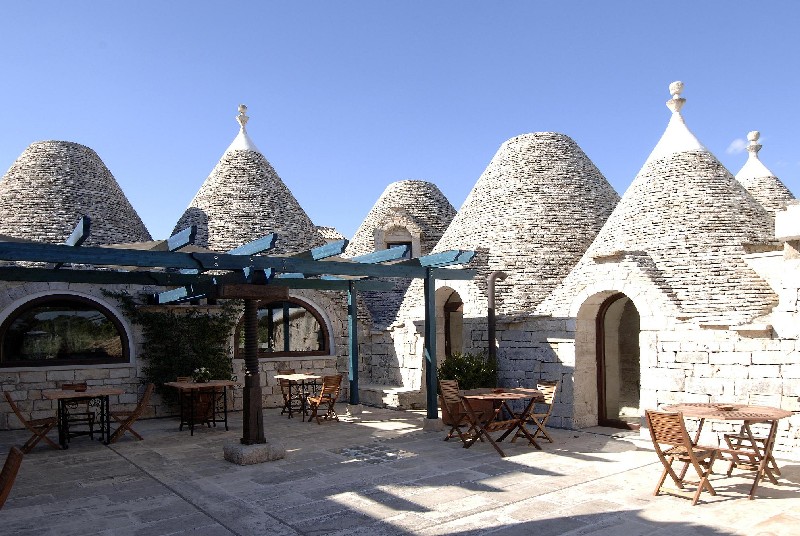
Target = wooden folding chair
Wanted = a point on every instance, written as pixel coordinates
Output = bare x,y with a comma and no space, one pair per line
745,451
454,414
326,398
672,443
9,473
126,418
38,427
539,420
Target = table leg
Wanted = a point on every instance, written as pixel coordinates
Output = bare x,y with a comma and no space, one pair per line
105,420
62,422
225,406
520,428
481,428
191,411
767,454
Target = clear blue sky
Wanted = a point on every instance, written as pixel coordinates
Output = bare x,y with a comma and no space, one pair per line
346,97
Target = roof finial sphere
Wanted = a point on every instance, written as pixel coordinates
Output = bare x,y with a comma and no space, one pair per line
753,147
675,89
242,117
676,102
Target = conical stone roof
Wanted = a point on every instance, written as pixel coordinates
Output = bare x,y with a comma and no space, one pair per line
244,199
415,206
683,221
53,184
533,212
762,184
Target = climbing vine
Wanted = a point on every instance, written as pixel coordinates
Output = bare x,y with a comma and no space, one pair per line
176,342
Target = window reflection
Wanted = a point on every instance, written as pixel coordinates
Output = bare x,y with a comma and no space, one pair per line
61,330
286,327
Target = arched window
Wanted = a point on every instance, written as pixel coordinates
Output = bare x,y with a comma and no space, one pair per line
287,328
62,330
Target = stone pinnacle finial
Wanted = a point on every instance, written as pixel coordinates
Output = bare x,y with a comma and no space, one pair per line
754,146
242,117
676,102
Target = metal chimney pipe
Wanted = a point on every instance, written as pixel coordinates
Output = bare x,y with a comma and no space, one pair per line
490,279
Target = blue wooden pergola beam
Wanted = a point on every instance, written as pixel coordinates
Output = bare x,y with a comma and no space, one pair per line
108,277
182,238
80,233
384,255
324,251
259,245
20,251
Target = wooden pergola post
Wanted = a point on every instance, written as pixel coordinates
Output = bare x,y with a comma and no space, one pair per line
253,414
430,344
352,341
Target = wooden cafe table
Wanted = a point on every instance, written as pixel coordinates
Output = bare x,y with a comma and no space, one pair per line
67,398
503,417
218,391
299,382
748,415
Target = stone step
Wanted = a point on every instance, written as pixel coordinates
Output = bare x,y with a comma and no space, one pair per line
391,396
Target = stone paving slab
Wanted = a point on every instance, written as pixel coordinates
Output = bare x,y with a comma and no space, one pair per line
379,474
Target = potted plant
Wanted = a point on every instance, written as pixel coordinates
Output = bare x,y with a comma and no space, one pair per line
201,375
471,371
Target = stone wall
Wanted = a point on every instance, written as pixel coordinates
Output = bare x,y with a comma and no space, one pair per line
27,383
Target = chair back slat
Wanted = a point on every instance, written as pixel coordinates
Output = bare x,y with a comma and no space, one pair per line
184,379
548,390
142,405
15,408
331,385
668,428
449,391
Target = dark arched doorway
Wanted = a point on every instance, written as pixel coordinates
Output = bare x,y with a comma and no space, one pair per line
453,325
618,374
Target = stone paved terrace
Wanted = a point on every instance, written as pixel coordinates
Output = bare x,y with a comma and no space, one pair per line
376,474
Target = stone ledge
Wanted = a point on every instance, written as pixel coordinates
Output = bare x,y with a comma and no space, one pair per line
251,454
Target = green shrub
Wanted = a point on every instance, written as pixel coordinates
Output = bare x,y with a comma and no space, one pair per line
177,343
471,370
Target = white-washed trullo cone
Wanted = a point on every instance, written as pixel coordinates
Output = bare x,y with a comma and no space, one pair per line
677,236
532,213
244,199
53,184
760,181
415,207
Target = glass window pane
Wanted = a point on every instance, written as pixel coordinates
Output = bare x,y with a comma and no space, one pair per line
304,330
62,329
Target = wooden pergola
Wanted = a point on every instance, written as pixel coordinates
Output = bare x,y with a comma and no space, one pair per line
242,273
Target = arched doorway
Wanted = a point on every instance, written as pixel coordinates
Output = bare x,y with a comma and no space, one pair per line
618,374
453,325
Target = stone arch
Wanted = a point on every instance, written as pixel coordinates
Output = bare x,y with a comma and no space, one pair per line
586,308
307,319
398,228
449,323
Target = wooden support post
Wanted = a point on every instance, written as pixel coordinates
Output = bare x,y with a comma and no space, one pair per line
352,341
253,415
430,343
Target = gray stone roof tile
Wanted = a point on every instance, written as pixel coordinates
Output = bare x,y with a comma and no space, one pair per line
53,184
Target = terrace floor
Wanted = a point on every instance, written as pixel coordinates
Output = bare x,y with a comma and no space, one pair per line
376,473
